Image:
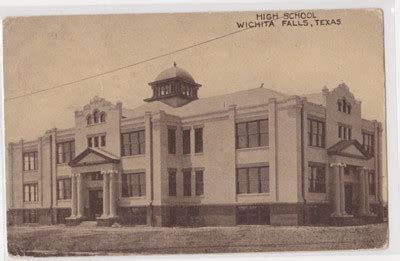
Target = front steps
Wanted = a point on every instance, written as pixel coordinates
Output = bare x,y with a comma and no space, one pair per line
353,221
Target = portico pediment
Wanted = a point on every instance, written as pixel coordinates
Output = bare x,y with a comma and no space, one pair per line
93,156
349,148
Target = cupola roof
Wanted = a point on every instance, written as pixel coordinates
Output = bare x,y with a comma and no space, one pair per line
175,72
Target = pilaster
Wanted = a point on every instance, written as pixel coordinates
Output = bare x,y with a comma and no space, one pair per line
272,134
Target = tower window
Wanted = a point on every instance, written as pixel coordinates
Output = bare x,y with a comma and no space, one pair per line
186,141
344,132
97,141
102,117
171,141
198,140
95,117
344,106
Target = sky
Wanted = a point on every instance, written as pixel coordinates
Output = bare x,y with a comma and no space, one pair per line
41,52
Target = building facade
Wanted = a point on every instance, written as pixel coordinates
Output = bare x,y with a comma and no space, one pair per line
251,157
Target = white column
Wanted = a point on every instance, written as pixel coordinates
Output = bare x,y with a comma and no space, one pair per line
73,196
79,193
366,181
106,194
342,202
113,206
363,193
336,196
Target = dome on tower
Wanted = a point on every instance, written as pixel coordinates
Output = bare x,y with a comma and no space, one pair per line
175,72
175,87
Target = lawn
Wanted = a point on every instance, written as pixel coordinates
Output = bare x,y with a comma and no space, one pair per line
59,240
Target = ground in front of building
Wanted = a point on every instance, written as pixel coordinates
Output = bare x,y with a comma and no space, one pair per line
85,240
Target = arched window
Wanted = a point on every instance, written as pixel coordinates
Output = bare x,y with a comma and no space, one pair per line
102,117
89,119
349,109
339,105
344,105
95,116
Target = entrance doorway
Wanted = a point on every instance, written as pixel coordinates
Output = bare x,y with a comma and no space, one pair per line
95,204
348,198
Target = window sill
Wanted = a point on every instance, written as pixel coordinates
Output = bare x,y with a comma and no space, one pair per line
62,164
63,200
253,148
316,193
198,154
136,197
254,195
133,156
188,197
33,171
95,124
316,147
31,202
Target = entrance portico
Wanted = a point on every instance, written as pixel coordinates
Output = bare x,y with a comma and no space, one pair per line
350,176
341,205
94,171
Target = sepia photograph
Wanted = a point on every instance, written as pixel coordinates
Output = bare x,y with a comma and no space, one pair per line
195,133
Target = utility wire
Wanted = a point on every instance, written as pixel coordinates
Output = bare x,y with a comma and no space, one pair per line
137,63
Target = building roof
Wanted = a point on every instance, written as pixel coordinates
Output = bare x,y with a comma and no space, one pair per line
316,98
256,96
175,72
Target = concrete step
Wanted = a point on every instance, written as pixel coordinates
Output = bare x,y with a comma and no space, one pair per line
353,221
88,224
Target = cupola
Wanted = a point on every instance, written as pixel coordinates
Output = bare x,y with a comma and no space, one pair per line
174,86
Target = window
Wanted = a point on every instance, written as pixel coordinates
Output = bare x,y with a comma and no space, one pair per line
133,185
171,141
95,117
30,160
65,151
97,141
186,141
339,105
252,134
89,120
344,132
187,183
172,183
133,143
30,216
344,106
198,140
316,133
96,176
102,117
64,188
368,143
252,180
316,178
199,183
31,192
371,182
